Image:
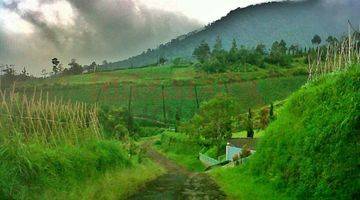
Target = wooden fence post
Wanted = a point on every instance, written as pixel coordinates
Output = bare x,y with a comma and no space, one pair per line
196,97
130,98
163,101
226,88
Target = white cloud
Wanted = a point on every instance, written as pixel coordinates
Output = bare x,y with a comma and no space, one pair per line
13,23
205,11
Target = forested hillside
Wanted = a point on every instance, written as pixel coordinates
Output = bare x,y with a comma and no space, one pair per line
294,22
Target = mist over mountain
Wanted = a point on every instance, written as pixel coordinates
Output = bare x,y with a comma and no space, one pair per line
32,32
294,21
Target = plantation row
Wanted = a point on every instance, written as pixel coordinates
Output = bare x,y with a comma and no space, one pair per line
163,103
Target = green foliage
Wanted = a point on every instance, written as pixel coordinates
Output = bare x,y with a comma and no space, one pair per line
202,52
149,131
116,122
238,59
278,54
316,40
75,68
214,120
311,150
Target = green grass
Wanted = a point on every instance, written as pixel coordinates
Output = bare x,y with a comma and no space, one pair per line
114,184
181,149
312,149
239,185
48,149
28,169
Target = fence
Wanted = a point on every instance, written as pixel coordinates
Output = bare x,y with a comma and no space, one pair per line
164,103
208,161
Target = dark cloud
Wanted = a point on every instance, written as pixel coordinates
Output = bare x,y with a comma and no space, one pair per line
102,29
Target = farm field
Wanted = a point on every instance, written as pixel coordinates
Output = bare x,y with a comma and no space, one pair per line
149,99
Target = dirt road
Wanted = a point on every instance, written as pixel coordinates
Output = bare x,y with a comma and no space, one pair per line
178,183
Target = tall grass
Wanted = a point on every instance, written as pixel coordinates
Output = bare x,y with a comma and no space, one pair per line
51,146
46,122
337,56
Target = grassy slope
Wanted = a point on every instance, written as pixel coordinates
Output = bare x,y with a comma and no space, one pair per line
239,185
311,150
179,90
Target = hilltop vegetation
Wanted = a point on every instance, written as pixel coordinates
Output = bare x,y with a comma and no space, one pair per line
294,21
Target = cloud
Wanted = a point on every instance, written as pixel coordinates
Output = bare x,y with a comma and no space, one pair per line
34,31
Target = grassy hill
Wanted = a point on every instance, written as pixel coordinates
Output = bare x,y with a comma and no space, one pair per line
182,88
311,150
264,23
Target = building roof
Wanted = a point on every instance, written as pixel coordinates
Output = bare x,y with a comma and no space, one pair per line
240,142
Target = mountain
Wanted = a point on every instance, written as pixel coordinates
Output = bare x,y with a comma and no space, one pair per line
294,21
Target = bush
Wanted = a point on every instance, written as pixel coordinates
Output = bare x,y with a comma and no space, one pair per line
116,122
149,131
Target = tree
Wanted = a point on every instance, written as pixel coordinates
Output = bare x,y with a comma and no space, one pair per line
233,53
332,40
271,113
44,73
55,63
75,68
202,52
250,125
9,71
316,40
218,48
93,66
282,47
264,118
260,48
162,61
278,54
215,118
294,49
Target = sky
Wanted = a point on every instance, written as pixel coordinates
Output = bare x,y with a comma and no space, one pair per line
34,31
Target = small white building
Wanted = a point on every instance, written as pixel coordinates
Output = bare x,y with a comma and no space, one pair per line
235,146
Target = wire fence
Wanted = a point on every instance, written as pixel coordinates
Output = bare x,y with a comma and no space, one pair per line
164,103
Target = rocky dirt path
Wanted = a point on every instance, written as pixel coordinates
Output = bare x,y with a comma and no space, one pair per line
178,183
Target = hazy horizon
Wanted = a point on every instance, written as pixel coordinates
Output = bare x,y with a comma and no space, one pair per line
34,31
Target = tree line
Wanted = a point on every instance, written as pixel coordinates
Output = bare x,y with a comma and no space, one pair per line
241,58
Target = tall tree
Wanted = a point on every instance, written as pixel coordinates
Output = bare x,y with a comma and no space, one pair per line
202,52
93,66
75,68
332,40
218,48
316,40
55,63
260,48
233,53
